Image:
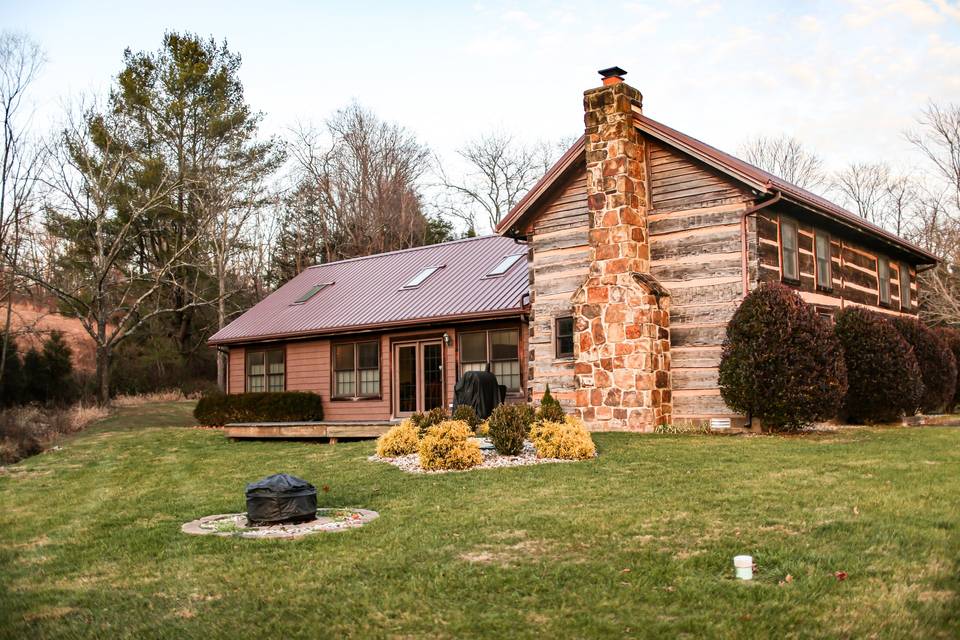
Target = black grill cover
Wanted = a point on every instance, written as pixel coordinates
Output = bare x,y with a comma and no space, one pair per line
477,389
281,498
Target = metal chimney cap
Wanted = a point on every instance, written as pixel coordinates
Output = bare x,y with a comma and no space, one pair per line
612,72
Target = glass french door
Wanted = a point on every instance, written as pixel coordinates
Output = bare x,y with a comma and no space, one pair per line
418,376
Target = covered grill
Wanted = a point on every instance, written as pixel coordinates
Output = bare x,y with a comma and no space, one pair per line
480,390
281,498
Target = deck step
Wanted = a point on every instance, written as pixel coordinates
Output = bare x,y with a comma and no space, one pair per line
343,429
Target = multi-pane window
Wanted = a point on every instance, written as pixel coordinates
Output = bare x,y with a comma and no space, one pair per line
499,348
265,370
473,351
790,250
356,370
564,337
883,276
824,275
904,286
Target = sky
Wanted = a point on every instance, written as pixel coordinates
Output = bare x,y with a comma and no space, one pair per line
845,77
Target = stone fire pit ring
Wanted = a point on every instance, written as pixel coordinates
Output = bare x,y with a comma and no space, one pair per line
235,525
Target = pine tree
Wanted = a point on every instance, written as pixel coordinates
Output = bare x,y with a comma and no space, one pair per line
11,389
34,377
58,367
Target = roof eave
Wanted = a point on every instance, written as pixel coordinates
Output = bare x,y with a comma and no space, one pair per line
544,184
335,331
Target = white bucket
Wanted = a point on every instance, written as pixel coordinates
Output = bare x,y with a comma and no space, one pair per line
744,566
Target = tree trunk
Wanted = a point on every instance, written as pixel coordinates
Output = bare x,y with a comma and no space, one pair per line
221,320
103,376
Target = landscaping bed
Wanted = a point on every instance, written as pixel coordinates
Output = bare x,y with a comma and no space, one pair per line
491,459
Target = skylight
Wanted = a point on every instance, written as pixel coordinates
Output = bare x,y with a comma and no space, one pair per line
504,265
312,291
420,278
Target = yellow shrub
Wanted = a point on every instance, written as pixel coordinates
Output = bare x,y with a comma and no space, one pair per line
401,440
568,440
483,429
448,445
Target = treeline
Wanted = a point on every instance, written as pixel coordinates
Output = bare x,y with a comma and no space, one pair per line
157,213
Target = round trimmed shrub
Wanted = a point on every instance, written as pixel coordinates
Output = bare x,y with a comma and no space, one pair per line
466,413
401,440
938,367
509,425
550,409
883,377
448,446
951,336
567,440
781,362
423,421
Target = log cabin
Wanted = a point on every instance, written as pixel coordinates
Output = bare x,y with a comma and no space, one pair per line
611,281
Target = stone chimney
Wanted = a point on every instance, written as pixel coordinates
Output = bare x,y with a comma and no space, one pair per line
621,331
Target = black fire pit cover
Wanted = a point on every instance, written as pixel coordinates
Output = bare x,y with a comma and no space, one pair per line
281,498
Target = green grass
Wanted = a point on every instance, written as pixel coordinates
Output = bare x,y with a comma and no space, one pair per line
638,542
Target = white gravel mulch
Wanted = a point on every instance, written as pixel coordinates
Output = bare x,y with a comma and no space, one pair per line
491,460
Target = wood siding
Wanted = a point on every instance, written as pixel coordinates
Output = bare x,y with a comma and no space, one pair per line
854,271
695,252
308,368
560,262
678,181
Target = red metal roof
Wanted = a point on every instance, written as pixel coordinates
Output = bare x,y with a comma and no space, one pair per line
745,172
366,292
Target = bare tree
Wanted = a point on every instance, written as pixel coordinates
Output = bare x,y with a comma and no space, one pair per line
786,157
96,219
499,171
938,220
356,191
20,61
938,138
234,199
864,187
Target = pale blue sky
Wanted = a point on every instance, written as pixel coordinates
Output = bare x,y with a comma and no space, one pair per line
846,77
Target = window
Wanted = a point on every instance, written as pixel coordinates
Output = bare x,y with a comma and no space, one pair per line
790,269
356,370
503,266
883,277
420,278
824,274
564,334
312,291
473,351
904,286
500,348
265,370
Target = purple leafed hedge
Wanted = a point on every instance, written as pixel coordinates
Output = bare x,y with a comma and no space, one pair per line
938,367
883,376
952,337
781,362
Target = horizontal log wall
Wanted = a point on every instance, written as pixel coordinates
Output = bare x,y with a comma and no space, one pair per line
695,252
854,271
560,262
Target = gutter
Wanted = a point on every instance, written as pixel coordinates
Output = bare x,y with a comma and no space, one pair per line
744,260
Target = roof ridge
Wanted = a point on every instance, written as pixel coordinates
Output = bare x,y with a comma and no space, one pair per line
407,250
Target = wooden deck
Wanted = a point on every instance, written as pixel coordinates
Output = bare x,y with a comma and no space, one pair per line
325,429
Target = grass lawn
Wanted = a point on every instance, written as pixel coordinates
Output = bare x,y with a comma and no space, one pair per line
638,542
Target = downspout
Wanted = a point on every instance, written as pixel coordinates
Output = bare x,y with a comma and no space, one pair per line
744,260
